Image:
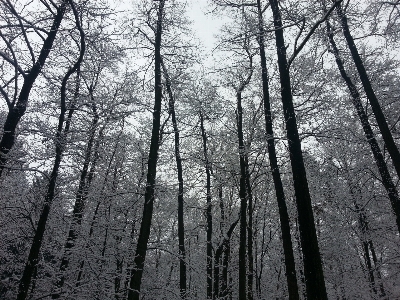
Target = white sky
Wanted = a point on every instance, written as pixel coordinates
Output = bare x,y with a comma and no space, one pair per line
205,25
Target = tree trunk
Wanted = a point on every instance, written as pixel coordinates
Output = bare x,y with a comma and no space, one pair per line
144,233
379,159
314,275
79,206
221,264
250,257
208,212
62,132
17,110
243,288
181,228
376,108
291,277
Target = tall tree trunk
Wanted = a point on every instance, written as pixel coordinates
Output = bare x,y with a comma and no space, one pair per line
221,264
208,211
79,205
244,192
376,108
60,143
144,233
291,277
218,255
314,275
17,110
33,257
250,257
181,227
379,159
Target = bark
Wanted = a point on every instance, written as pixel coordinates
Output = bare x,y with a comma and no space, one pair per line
17,110
79,205
379,159
280,194
208,211
222,263
315,283
250,258
33,257
144,232
181,228
245,291
369,91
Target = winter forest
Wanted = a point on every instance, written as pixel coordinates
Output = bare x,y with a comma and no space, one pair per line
138,163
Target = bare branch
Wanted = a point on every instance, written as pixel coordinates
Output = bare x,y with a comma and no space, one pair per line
301,46
12,61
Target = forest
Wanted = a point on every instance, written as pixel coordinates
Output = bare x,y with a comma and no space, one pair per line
139,161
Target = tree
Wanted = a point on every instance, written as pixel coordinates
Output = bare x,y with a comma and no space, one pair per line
181,227
280,195
379,159
60,140
373,100
17,107
140,255
313,271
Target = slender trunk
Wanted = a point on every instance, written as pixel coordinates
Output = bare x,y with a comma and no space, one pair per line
181,228
33,257
245,291
144,233
89,181
250,257
208,212
291,277
17,110
315,283
79,206
221,250
243,288
219,253
373,100
118,273
379,159
378,272
60,141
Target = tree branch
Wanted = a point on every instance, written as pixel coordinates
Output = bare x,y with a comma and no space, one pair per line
301,46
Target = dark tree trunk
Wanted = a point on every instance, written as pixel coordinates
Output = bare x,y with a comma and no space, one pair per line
280,195
376,108
250,257
218,255
144,233
378,272
221,264
79,205
181,228
17,110
379,159
244,193
33,257
208,211
315,283
243,219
